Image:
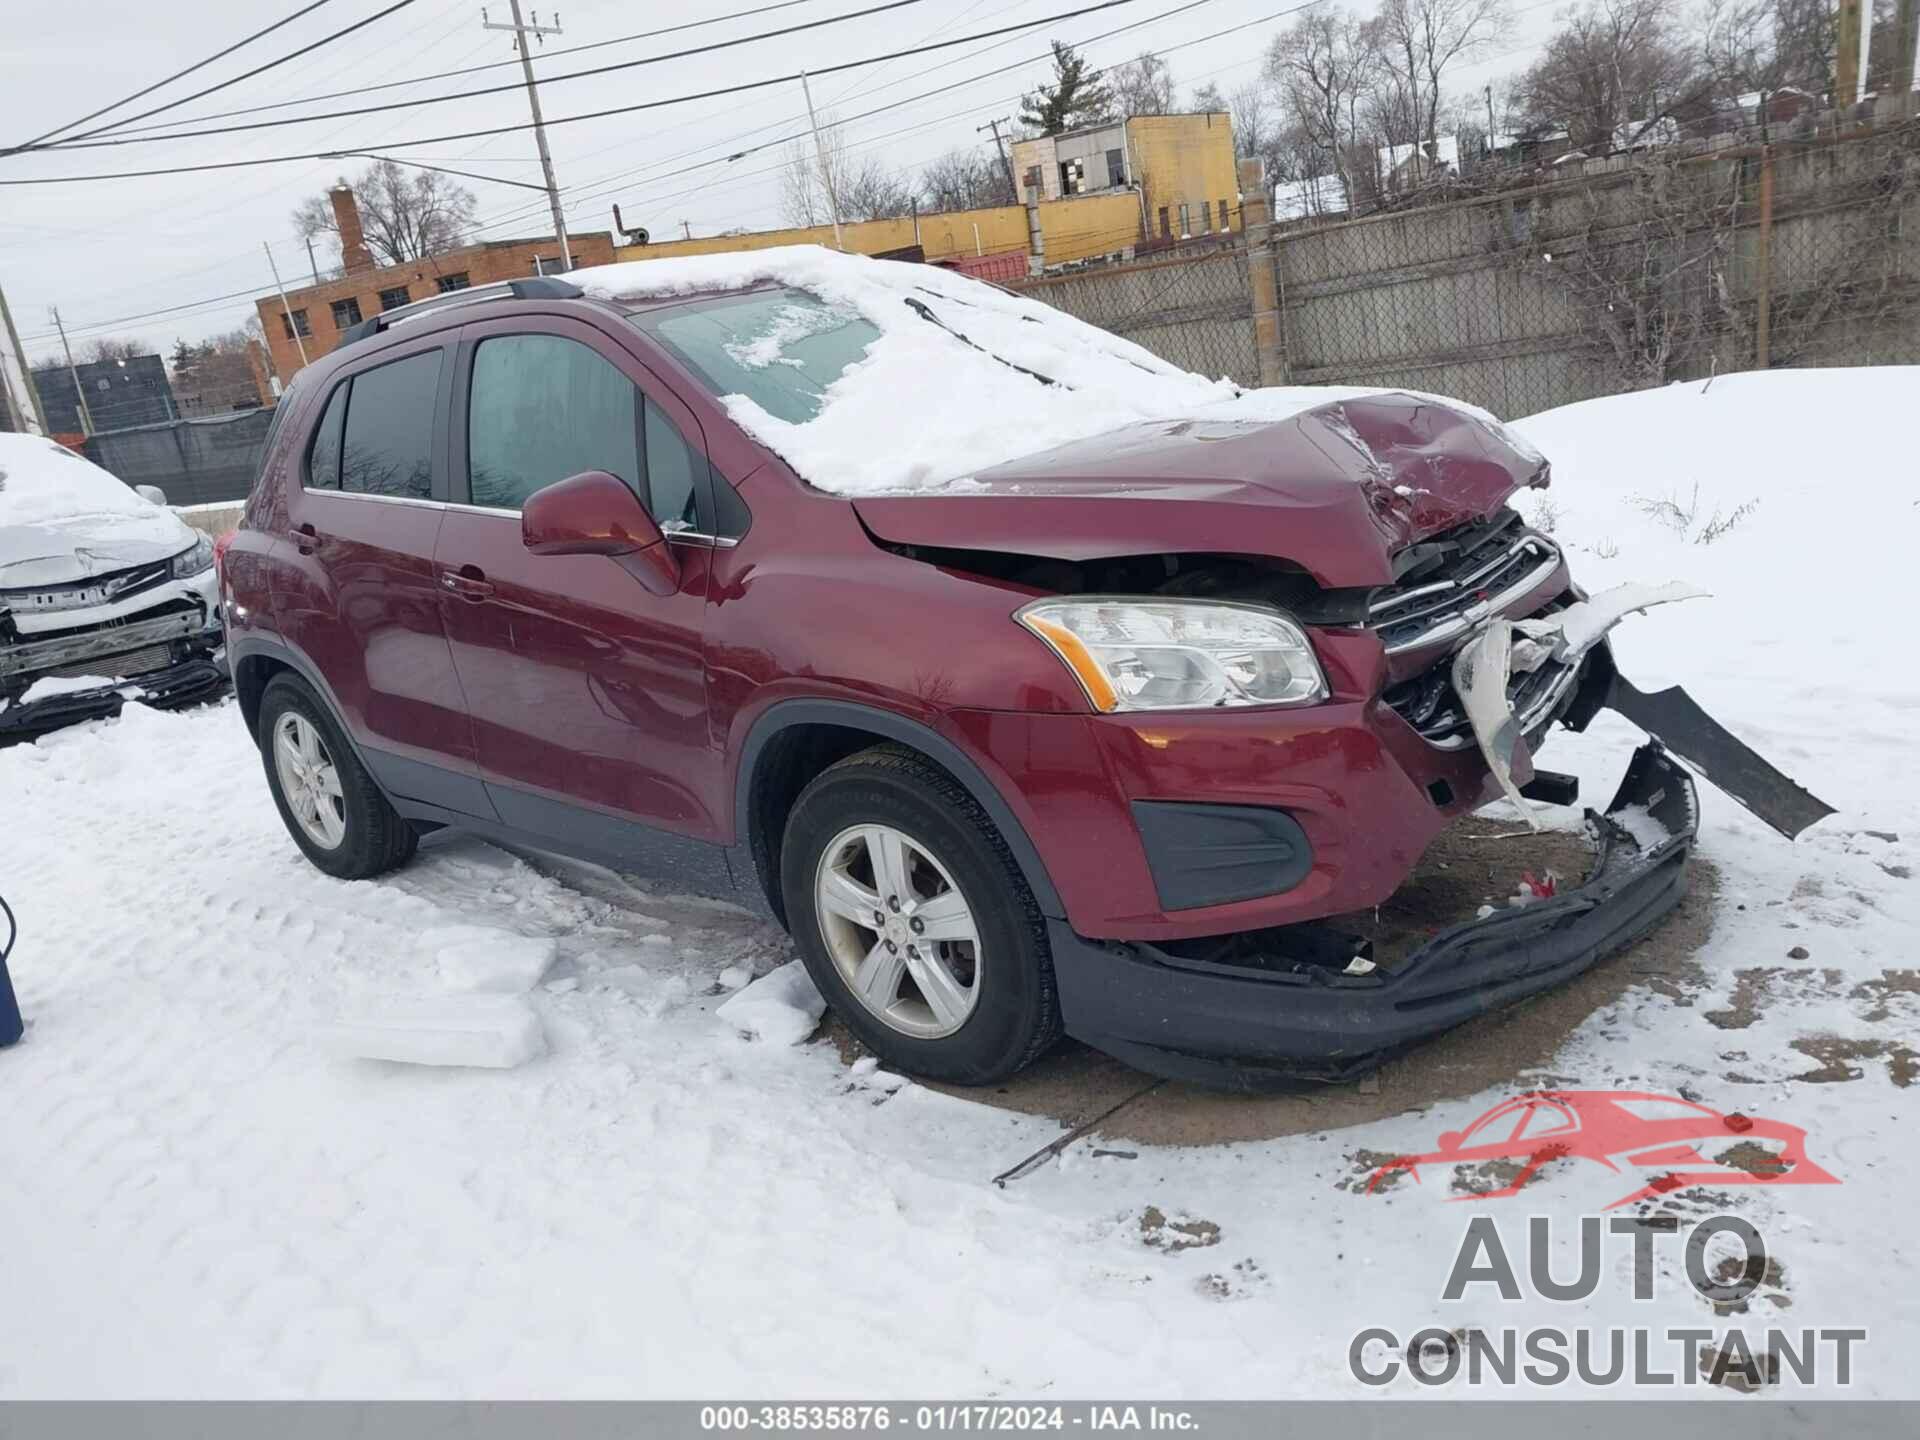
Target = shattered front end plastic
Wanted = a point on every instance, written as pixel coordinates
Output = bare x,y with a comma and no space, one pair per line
1274,1009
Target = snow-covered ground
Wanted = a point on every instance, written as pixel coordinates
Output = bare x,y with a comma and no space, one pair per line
200,1197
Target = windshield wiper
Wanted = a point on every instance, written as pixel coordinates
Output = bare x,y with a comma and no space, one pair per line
920,308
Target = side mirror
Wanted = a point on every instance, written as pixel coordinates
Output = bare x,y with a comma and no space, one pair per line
593,513
151,492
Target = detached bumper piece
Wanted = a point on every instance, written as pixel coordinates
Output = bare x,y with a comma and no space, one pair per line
200,677
1281,1008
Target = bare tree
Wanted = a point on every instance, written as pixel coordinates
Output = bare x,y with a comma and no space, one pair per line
1420,40
114,347
406,215
1612,71
814,177
965,180
1761,47
1323,65
1142,86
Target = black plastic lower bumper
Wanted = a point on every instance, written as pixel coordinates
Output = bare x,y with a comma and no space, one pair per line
189,682
1290,1018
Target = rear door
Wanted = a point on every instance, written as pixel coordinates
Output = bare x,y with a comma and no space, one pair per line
587,692
357,591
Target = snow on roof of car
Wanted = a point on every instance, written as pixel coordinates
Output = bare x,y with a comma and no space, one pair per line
42,480
961,376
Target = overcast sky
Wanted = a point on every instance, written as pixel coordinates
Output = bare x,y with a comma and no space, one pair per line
110,250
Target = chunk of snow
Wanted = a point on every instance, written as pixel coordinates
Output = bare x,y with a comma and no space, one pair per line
491,1032
1646,831
735,977
484,958
780,1008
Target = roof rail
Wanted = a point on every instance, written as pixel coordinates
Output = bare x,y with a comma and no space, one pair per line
538,287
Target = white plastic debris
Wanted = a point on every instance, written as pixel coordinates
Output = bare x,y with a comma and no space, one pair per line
780,1008
490,1032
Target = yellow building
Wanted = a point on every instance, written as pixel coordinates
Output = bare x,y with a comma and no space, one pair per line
1072,229
1180,166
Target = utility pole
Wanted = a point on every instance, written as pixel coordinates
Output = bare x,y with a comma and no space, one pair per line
23,397
1852,31
1906,45
79,390
686,227
312,264
1492,149
826,170
1000,145
521,31
285,308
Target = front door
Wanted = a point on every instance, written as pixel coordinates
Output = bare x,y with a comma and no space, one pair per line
587,692
359,597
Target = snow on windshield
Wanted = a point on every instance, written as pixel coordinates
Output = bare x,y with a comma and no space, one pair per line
956,376
41,481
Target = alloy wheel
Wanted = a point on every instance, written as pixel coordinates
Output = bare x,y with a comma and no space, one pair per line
310,780
898,930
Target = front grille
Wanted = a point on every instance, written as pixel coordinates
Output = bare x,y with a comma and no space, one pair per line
132,663
86,594
1468,575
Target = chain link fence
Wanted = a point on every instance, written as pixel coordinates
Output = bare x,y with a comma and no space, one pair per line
1190,306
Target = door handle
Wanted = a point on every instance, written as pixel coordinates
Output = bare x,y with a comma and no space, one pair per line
469,582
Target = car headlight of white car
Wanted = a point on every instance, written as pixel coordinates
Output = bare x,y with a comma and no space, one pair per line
1146,654
194,561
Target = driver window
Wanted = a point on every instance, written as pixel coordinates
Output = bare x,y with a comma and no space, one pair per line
542,408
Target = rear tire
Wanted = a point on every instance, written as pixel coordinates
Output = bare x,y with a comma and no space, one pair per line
331,807
885,848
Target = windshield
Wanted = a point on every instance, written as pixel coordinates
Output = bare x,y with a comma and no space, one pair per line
779,348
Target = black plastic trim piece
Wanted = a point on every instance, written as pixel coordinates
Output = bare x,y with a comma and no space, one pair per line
1203,854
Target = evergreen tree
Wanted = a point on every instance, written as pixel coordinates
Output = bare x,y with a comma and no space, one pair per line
1076,97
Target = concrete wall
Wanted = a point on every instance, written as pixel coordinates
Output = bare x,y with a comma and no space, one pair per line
482,265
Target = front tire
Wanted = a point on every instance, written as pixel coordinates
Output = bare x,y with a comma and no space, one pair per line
331,807
914,921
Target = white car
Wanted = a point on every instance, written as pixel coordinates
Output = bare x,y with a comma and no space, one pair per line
105,594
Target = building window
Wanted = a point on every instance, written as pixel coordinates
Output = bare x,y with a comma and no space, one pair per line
1206,217
1116,167
297,325
1186,223
1164,231
396,297
456,281
346,312
1226,216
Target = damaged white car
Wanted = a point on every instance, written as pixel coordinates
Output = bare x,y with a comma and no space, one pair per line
105,595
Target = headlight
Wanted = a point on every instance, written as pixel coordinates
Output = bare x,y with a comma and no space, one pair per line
196,561
1178,654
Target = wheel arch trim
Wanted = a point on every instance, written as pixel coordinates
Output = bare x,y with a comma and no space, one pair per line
885,725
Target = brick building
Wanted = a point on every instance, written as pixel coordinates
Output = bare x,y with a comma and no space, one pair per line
320,312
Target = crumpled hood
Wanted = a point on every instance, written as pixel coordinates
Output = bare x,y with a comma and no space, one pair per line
73,548
1338,488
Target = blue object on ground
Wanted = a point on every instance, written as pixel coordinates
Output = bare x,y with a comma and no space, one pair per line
12,1027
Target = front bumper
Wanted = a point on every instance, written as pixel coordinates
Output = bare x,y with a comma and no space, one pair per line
199,677
1283,1010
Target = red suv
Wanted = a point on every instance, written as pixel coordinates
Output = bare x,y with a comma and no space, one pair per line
1088,739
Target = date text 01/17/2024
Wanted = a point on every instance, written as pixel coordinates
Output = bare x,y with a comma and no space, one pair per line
986,1418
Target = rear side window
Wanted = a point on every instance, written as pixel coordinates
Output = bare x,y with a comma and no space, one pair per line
387,444
323,460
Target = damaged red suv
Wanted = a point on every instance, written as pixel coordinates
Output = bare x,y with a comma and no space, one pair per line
1032,683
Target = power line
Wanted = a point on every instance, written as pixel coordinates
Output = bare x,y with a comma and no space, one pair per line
76,141
491,89
472,69
742,88
178,74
